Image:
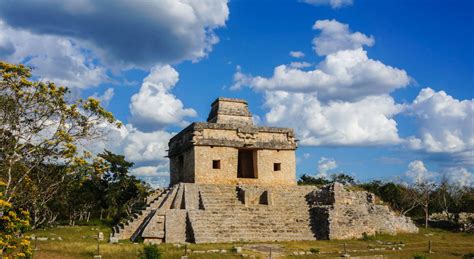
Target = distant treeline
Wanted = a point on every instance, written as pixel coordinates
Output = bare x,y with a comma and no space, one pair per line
418,200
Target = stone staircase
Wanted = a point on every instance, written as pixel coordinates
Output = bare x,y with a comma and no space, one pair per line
153,228
132,227
226,218
200,213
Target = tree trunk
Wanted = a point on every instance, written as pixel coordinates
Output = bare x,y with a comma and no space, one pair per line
426,217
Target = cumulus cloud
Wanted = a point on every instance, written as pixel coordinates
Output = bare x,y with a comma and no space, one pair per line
417,172
56,59
459,176
148,150
154,106
335,36
343,101
141,146
332,3
134,33
445,125
324,165
297,54
366,122
151,171
346,73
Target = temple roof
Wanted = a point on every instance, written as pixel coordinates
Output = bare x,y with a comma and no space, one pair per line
230,111
230,125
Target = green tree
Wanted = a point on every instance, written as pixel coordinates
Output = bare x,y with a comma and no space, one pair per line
124,191
310,180
343,178
38,126
40,186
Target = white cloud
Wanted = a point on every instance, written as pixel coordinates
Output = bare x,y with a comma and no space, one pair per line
336,36
151,171
417,172
154,175
148,150
105,97
459,175
57,59
297,54
154,106
124,32
300,64
346,73
324,165
333,3
445,125
343,101
141,146
366,122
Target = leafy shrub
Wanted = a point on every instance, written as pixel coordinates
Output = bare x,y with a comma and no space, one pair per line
469,256
420,257
151,252
314,250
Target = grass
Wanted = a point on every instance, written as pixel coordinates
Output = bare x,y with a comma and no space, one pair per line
81,242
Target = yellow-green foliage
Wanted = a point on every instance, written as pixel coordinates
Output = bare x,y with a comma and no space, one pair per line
12,224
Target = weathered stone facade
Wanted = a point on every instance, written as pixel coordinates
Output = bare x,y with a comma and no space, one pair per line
232,181
338,213
229,149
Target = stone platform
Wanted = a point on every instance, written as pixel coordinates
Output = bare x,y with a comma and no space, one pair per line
199,213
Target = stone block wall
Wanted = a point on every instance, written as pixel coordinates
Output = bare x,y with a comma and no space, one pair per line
229,110
344,214
228,157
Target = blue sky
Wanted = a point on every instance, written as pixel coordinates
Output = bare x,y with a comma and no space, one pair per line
404,109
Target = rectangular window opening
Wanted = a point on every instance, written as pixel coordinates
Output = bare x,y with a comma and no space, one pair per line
216,164
276,166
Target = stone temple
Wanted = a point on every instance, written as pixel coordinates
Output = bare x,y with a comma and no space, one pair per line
232,181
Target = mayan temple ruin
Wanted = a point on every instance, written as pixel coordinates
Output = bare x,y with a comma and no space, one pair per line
233,181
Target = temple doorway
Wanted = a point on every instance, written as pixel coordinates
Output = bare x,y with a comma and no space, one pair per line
247,163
